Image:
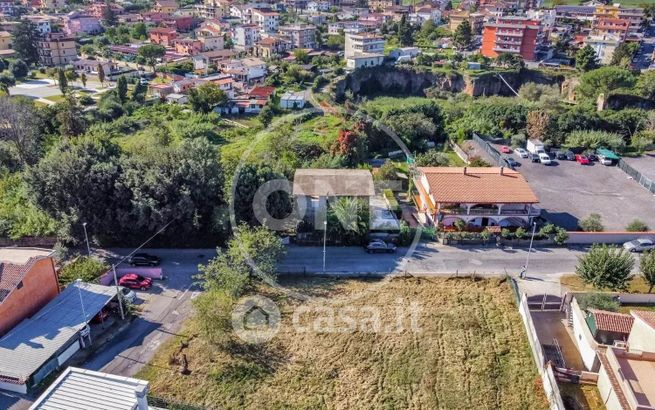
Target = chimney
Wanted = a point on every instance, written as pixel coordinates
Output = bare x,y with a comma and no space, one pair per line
464,170
502,169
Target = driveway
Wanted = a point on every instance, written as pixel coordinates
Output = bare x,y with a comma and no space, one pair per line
164,309
569,192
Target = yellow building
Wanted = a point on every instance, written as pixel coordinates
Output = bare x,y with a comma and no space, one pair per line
56,49
5,40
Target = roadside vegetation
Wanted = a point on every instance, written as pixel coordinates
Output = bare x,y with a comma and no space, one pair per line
471,351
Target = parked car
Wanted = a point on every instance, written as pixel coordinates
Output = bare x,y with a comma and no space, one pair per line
510,162
534,157
605,161
561,155
521,152
545,158
128,295
378,245
134,281
101,316
639,245
144,259
570,156
582,159
505,149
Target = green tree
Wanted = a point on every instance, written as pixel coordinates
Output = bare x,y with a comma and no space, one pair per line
101,74
108,15
86,268
404,31
301,55
647,269
605,267
62,81
539,124
637,225
623,54
586,59
592,223
510,60
139,31
121,89
463,35
604,80
71,75
335,42
83,79
70,118
205,97
213,314
19,127
242,193
7,80
646,84
594,140
139,92
598,301
25,41
19,69
348,220
152,52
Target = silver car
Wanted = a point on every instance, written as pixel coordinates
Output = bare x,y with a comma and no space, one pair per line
639,245
521,152
128,295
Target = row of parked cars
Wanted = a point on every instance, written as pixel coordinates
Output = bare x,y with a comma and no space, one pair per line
546,158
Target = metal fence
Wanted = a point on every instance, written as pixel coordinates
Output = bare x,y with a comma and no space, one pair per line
488,148
637,176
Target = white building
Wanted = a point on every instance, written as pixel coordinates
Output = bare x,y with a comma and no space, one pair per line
292,101
318,6
266,19
363,50
364,60
604,46
245,36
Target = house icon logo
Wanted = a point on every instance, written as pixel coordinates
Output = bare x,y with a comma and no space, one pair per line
256,319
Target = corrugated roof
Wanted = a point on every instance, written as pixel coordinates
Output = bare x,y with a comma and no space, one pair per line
33,341
333,182
478,185
82,389
612,321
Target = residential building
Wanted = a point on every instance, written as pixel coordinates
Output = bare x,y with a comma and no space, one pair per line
477,196
83,389
245,37
296,4
611,26
246,70
179,23
511,34
581,13
423,14
271,47
210,41
344,26
476,20
98,9
376,5
642,334
318,6
224,82
175,98
49,4
604,46
43,343
203,61
56,49
166,6
363,50
609,327
207,11
266,19
163,36
77,23
364,61
5,40
188,46
42,24
91,66
129,18
634,15
28,281
300,35
292,100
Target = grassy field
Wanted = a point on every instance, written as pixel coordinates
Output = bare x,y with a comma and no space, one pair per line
470,352
574,283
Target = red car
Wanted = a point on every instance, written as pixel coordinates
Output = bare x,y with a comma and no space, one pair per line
134,281
506,150
582,159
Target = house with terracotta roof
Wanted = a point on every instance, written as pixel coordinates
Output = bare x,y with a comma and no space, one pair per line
163,36
627,370
493,196
608,327
28,281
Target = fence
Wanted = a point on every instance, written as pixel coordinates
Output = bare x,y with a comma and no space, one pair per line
545,369
459,151
637,176
488,148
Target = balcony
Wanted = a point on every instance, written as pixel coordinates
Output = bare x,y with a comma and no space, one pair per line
500,49
528,211
509,33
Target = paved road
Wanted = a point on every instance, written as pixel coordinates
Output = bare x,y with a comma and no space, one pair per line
432,259
165,307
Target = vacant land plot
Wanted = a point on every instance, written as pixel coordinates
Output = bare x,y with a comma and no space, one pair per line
645,164
470,351
569,192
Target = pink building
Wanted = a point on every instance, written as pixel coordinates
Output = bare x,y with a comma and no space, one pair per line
76,23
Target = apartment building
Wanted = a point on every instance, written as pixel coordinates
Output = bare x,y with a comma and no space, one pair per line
611,26
245,36
83,24
163,36
634,15
511,34
604,46
476,20
267,20
363,50
56,49
383,4
300,35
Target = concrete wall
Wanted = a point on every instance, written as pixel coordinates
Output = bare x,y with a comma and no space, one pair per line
39,287
607,393
583,337
606,237
16,388
642,336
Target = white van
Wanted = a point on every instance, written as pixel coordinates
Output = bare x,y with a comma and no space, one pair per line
544,158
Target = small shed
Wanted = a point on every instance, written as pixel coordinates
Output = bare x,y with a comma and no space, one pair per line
292,101
608,327
176,98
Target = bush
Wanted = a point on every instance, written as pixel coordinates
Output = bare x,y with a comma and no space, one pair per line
594,139
592,223
478,162
598,301
518,140
637,226
391,200
86,268
561,236
606,267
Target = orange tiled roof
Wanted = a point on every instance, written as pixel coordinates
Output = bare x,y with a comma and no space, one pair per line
612,321
492,185
646,316
10,276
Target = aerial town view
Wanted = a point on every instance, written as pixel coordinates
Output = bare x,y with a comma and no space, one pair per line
327,204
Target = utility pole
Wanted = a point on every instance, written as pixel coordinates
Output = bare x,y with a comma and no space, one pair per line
86,237
527,259
324,240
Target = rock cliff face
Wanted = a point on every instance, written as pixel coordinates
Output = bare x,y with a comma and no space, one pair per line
412,81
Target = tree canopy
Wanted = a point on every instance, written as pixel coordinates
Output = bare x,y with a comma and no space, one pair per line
605,267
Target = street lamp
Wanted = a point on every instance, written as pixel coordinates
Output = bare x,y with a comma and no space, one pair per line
324,239
527,259
86,237
119,295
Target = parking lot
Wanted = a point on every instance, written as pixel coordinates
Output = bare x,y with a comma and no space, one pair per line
569,191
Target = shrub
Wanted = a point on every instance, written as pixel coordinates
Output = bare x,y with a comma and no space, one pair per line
605,267
561,236
478,162
637,226
520,233
598,301
86,268
592,223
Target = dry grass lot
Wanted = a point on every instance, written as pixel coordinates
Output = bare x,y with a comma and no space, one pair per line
575,284
471,352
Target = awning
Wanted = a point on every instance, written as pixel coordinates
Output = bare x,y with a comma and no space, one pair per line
607,154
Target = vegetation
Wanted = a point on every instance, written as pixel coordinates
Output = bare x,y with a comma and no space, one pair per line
647,269
592,223
637,225
469,330
605,267
89,269
598,301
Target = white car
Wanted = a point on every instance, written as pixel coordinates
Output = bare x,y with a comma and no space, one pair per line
604,160
544,158
521,152
639,245
128,295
